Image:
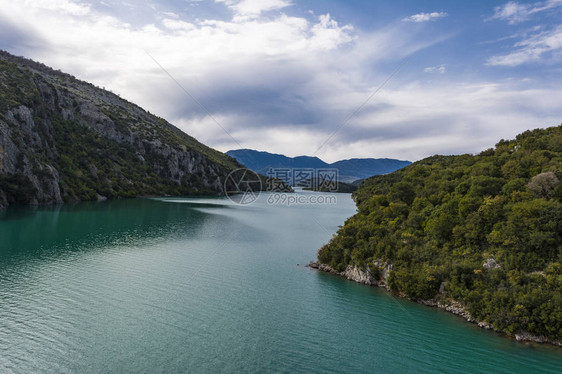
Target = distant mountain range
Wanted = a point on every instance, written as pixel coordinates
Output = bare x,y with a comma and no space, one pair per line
349,171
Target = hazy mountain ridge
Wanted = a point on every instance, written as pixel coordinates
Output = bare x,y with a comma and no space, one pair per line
62,139
349,170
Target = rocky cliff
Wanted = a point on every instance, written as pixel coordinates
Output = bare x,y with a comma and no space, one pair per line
374,275
62,139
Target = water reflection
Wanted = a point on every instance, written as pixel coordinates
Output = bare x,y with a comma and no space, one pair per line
26,231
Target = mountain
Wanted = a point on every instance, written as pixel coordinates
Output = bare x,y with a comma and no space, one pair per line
260,162
62,139
360,168
348,170
478,235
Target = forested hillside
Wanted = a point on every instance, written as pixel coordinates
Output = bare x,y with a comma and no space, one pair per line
62,139
483,230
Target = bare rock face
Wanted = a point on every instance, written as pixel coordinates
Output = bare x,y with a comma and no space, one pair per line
527,337
385,269
8,150
491,264
62,139
357,275
3,200
360,275
485,325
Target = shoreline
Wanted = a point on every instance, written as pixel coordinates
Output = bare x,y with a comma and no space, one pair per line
353,273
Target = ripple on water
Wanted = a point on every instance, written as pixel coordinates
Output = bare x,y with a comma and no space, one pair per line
200,286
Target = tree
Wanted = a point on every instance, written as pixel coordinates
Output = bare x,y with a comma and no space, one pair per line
544,184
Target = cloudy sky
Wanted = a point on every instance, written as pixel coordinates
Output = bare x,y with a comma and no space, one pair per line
336,79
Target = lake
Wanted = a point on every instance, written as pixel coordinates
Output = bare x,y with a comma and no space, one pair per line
203,285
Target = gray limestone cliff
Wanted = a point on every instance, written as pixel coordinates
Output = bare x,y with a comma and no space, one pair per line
62,139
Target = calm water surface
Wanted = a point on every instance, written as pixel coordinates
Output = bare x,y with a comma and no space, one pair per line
205,286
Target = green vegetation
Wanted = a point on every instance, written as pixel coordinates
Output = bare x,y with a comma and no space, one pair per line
484,230
90,164
127,119
16,87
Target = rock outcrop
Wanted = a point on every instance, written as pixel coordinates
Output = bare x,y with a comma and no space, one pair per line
357,275
491,264
363,276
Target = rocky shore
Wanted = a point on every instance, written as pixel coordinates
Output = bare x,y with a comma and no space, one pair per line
366,277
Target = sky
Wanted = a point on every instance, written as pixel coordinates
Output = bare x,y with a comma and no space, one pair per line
335,79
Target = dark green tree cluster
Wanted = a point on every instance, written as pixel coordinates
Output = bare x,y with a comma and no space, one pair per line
484,230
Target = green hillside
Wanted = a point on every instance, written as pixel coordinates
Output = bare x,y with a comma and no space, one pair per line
483,230
62,139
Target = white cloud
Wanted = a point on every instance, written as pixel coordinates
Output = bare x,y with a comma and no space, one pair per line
512,12
440,69
178,25
417,120
515,12
531,49
247,9
281,83
411,121
170,15
62,6
424,17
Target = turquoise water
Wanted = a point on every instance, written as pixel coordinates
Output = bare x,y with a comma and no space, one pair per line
206,286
